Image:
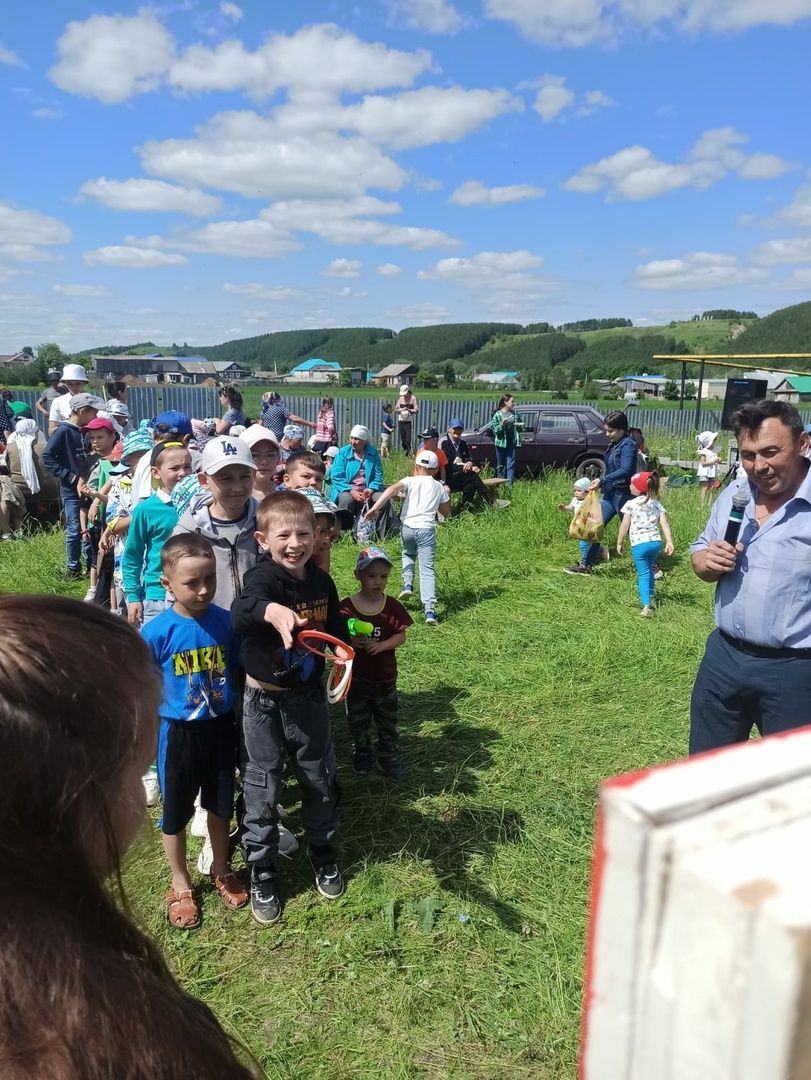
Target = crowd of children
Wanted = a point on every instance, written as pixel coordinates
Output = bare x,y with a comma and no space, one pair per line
221,558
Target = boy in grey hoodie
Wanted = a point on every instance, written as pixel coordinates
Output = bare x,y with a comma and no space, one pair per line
224,512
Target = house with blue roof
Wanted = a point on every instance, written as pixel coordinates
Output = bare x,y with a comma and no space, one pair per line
315,370
510,380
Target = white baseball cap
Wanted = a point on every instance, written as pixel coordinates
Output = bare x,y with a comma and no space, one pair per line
74,373
257,433
427,459
360,432
330,452
222,451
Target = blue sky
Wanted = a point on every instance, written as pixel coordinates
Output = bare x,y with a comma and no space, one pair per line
198,171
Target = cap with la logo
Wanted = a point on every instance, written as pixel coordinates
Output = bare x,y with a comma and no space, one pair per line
222,451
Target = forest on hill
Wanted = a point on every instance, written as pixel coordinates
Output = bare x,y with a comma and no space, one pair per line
545,355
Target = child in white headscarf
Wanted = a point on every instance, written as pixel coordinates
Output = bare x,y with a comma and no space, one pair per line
24,437
707,463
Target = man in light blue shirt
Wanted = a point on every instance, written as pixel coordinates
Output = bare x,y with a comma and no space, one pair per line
756,670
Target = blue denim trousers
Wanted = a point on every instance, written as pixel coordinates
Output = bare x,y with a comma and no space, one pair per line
505,461
420,544
610,506
73,531
644,556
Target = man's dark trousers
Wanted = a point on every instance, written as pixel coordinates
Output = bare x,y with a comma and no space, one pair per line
739,687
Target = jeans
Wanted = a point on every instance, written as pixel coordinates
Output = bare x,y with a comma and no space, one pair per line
505,461
644,556
275,725
420,543
610,506
152,609
73,529
735,692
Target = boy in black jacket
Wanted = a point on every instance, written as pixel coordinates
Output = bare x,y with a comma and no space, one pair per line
66,457
285,710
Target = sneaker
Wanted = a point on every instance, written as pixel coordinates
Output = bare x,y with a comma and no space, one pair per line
19,534
578,568
392,767
151,788
406,594
205,858
288,845
265,906
430,618
6,536
646,612
501,504
328,880
74,574
362,761
199,823
90,595
658,573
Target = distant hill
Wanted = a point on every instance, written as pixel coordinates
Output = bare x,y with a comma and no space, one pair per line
788,329
359,347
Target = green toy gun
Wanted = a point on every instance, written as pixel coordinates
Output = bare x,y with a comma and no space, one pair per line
358,628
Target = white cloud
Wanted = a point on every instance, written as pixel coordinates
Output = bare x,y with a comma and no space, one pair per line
797,279
501,282
585,22
113,57
248,154
24,234
10,58
343,268
47,112
350,221
553,97
132,258
89,291
346,292
435,16
798,211
323,58
636,173
389,270
777,252
150,195
277,293
698,270
474,193
253,239
231,11
764,167
419,314
594,100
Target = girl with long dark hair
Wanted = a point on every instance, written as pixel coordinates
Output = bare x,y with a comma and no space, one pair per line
83,992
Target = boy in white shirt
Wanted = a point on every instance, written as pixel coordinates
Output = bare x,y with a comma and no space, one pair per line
425,497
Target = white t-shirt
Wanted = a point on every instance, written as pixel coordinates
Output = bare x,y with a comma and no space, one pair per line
644,514
424,496
60,408
575,504
707,463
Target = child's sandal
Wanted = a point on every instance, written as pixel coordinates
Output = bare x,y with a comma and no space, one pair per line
182,910
232,892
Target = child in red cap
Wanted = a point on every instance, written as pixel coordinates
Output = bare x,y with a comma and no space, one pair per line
643,517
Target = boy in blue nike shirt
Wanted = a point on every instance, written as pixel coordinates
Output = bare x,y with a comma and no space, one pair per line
195,648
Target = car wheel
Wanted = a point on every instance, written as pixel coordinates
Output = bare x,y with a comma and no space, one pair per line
591,467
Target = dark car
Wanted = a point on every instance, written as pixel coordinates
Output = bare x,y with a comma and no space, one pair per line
552,437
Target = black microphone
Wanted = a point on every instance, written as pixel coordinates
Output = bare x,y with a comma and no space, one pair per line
740,500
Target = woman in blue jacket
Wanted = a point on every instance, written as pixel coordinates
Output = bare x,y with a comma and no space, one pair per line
357,476
615,484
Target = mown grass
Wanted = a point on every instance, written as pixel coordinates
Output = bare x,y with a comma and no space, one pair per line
534,687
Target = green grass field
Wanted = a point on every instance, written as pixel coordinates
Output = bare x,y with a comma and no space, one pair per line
533,688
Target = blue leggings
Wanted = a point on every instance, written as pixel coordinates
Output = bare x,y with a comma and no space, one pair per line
644,556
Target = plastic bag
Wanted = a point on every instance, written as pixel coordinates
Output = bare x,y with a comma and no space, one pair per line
587,523
365,528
